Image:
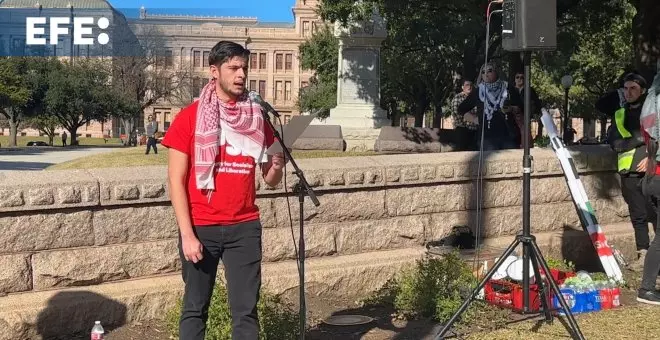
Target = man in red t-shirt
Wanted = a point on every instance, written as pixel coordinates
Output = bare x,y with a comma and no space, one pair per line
215,146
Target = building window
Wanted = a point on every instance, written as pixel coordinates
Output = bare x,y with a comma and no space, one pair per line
287,90
288,64
253,85
287,119
197,59
168,120
262,61
262,88
305,28
278,90
165,60
278,61
254,62
314,28
206,58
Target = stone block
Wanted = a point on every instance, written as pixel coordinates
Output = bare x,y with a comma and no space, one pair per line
132,185
334,207
15,275
381,234
134,224
278,243
27,190
423,200
267,212
507,221
43,231
406,139
321,137
89,266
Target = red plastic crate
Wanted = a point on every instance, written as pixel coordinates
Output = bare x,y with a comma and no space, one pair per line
509,294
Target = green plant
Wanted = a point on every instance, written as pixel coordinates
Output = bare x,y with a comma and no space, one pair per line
600,276
276,318
435,287
563,265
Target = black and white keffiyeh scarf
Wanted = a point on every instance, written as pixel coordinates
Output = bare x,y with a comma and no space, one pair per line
493,95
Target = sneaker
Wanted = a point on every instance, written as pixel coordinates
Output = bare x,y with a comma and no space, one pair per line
638,265
651,297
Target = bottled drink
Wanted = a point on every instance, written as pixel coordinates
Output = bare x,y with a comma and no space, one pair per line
616,296
605,293
97,331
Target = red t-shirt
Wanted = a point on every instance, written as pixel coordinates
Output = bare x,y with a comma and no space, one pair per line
233,200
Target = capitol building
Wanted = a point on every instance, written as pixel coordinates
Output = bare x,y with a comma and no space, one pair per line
274,68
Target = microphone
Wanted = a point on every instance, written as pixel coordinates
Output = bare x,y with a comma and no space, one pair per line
255,97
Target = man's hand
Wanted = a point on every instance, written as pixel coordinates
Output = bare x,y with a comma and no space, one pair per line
192,249
471,118
278,161
641,167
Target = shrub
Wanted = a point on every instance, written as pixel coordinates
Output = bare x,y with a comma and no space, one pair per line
435,287
277,319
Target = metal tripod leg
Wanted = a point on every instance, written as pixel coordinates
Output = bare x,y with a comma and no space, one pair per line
544,295
475,292
577,334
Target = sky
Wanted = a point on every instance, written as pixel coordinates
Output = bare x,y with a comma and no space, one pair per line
264,10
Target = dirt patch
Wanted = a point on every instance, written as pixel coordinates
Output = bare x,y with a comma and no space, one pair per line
488,322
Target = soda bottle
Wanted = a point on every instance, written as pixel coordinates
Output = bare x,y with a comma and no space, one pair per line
97,331
616,296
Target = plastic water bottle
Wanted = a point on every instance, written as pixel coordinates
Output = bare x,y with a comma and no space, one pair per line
97,331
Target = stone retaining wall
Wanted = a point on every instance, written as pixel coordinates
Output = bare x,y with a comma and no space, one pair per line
82,228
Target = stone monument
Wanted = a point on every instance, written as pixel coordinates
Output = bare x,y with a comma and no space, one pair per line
358,109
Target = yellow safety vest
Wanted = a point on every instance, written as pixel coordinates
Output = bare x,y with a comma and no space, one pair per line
625,158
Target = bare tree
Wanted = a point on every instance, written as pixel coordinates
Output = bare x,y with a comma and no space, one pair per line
150,74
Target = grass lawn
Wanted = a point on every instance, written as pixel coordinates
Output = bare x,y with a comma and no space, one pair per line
626,322
134,156
22,140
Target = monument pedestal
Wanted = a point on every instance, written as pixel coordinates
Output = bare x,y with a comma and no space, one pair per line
358,109
360,124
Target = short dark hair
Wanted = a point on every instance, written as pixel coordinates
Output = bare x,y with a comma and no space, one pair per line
634,77
225,50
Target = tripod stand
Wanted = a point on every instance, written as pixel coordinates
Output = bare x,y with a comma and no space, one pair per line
531,251
302,188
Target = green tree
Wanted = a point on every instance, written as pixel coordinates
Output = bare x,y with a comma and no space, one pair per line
45,124
646,36
77,94
320,53
16,92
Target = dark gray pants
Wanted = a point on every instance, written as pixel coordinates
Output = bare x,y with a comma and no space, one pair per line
151,143
239,248
641,209
652,260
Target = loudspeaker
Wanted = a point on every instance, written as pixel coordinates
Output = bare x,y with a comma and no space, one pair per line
529,25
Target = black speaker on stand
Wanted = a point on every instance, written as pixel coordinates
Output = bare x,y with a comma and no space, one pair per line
527,26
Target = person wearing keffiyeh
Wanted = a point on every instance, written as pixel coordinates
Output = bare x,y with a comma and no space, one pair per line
491,98
215,146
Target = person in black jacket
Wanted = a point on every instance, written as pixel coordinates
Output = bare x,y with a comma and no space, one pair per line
493,99
625,138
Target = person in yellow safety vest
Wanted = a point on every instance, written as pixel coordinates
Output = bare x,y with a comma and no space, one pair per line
625,138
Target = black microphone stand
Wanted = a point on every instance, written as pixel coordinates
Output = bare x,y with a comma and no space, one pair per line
302,187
